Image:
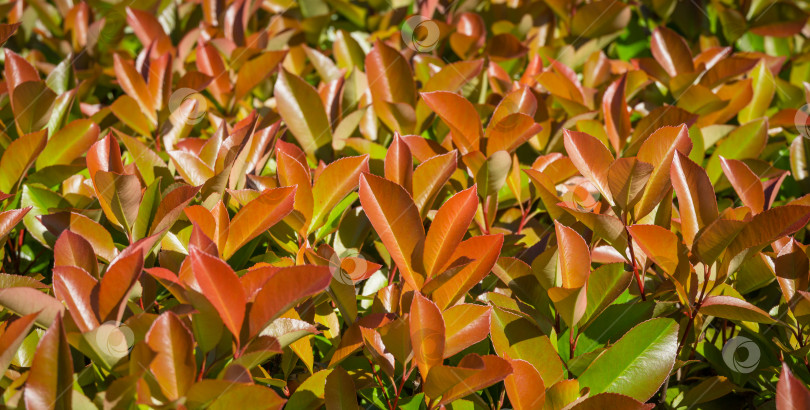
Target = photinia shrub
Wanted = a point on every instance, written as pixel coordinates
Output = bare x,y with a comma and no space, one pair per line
412,205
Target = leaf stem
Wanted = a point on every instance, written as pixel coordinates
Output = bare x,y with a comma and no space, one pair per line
693,313
380,383
639,280
398,392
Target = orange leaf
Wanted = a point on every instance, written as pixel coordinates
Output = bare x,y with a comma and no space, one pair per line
454,283
336,181
659,244
473,373
89,230
427,334
459,114
658,151
429,178
220,285
671,51
747,184
18,157
9,219
511,132
284,289
448,229
258,216
294,173
591,158
627,178
575,257
134,85
396,220
466,324
399,164
116,285
389,75
174,367
524,386
12,338
696,199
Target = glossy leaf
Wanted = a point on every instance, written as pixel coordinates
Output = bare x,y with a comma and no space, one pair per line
396,219
173,367
637,364
50,383
221,287
258,216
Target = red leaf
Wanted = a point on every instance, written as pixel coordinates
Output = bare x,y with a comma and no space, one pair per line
614,109
791,393
220,285
591,157
50,382
396,220
78,290
285,288
696,200
116,284
12,338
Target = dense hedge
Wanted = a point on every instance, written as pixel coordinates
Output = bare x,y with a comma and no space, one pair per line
555,204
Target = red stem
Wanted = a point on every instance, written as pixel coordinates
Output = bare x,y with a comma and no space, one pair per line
693,313
639,280
380,383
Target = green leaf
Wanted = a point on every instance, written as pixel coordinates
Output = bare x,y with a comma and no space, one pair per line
303,112
638,363
69,143
519,338
764,90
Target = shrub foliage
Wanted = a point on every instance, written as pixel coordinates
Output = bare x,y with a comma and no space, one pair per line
526,204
